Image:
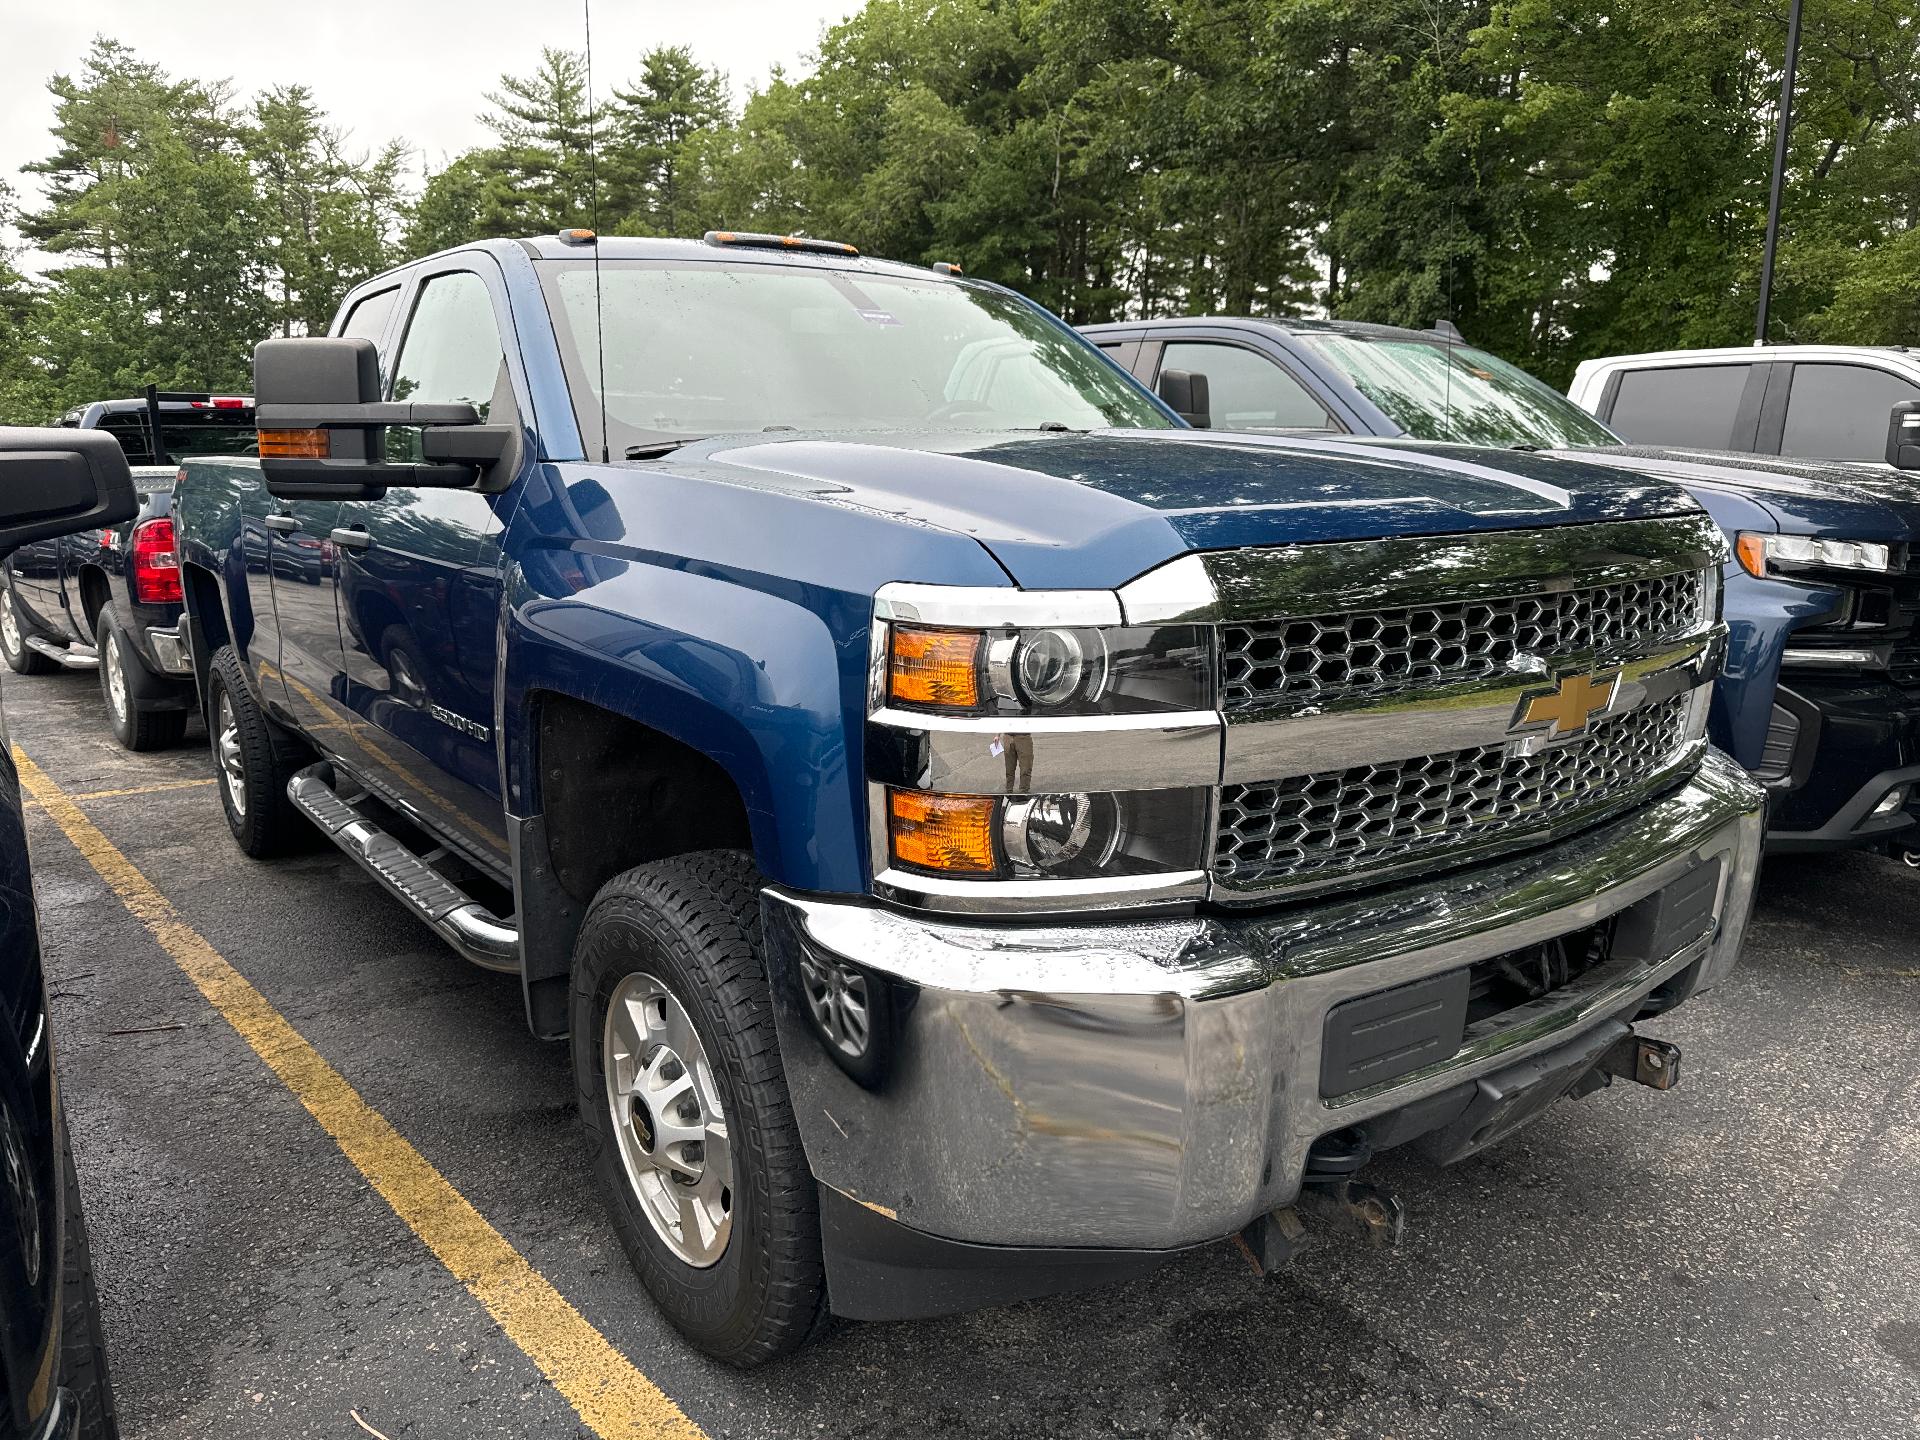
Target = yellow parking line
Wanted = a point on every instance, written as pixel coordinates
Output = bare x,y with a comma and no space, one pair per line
141,790
610,1394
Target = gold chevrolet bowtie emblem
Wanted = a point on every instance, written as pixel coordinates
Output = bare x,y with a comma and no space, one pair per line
1569,705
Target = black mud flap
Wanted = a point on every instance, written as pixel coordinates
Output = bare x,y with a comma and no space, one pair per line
1507,1099
879,1269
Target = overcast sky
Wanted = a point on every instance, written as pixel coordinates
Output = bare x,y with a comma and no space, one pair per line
382,68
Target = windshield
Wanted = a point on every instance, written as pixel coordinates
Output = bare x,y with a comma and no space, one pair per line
708,348
1436,391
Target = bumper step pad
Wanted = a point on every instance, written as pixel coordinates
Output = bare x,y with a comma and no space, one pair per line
463,922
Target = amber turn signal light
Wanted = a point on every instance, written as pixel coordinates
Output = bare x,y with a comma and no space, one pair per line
294,444
934,667
952,834
1752,550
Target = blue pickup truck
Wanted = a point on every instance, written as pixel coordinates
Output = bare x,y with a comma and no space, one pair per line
979,834
1820,698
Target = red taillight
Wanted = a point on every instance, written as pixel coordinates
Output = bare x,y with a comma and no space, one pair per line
156,568
229,402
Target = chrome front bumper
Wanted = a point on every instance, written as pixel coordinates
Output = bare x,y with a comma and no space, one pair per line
1155,1084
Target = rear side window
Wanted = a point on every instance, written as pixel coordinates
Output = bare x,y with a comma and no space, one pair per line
451,352
207,431
1691,405
1839,412
1247,391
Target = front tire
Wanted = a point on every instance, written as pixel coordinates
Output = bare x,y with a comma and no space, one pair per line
13,638
254,759
139,730
682,1095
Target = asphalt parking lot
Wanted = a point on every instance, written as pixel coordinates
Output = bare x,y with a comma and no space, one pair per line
1738,1258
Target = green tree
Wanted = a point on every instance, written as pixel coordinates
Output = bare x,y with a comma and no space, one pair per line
653,172
330,218
543,121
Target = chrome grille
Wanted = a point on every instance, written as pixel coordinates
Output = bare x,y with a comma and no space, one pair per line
1321,825
1375,651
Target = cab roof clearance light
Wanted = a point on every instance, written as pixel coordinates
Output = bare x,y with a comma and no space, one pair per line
747,240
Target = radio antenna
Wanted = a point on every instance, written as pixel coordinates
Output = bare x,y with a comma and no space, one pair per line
1452,323
593,204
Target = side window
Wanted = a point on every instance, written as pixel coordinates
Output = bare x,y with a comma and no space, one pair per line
1689,405
1247,390
451,352
368,318
1839,412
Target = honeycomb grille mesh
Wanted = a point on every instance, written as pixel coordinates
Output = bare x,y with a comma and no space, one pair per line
1361,652
1312,826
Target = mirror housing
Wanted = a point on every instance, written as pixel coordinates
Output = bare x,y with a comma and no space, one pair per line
1186,394
56,481
1903,436
323,427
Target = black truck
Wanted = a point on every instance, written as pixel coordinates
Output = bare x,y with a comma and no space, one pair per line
53,1368
109,599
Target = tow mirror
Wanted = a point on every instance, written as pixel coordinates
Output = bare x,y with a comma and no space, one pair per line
323,427
1185,392
56,481
1903,436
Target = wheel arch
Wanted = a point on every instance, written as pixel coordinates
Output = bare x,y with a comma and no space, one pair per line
96,593
626,743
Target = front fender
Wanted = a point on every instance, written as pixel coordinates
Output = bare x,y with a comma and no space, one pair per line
753,680
1761,618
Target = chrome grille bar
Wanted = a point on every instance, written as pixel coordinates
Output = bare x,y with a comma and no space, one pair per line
1313,831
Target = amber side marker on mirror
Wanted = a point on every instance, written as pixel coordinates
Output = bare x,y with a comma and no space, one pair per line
294,444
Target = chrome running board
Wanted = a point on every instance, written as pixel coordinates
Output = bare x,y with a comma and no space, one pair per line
464,923
68,657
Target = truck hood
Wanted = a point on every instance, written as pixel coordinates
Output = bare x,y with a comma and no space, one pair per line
1094,510
1804,497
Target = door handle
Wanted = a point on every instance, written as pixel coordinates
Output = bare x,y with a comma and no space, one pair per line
354,539
285,524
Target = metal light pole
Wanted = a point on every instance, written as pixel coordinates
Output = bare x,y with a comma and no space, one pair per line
1781,126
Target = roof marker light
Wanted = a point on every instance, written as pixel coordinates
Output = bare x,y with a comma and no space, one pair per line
750,240
578,235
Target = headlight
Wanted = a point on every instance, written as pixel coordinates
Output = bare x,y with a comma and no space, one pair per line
1765,555
1036,752
1091,670
1073,836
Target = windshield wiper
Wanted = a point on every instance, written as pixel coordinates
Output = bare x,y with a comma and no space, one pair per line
654,449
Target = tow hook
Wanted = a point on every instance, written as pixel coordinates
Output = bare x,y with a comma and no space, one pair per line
1910,859
1653,1063
1363,1211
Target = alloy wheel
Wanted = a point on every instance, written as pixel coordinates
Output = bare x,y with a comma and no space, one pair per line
667,1119
116,677
233,772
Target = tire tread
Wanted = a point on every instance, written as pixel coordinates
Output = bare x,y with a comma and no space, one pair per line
270,756
145,730
710,900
